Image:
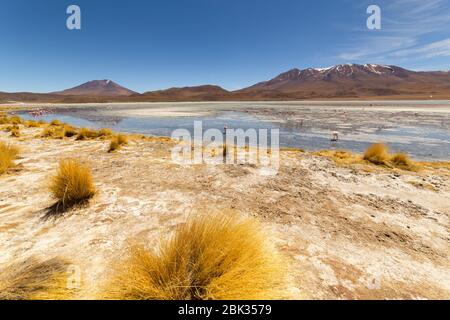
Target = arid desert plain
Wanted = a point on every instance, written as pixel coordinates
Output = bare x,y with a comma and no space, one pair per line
347,227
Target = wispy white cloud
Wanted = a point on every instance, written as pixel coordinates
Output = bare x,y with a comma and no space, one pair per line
406,29
434,49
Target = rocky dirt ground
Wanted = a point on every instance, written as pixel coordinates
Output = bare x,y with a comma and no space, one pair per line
348,232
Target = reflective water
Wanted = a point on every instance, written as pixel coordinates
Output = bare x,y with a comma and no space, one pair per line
425,135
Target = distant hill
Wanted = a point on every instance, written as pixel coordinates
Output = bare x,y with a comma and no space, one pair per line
198,93
105,88
345,81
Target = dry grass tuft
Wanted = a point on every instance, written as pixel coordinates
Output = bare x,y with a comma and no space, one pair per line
85,133
4,118
54,132
15,120
113,146
210,257
48,132
8,154
292,149
11,128
33,280
56,122
72,183
104,133
70,131
435,165
377,154
122,139
401,160
32,124
117,142
15,132
340,157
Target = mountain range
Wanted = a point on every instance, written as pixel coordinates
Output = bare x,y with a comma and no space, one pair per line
348,81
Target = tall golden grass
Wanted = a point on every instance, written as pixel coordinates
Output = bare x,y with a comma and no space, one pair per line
377,153
34,280
210,257
117,142
72,184
4,119
104,133
8,154
32,124
15,120
85,133
70,131
15,132
401,160
56,122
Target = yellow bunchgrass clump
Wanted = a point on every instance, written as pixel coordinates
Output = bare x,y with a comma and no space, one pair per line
15,120
4,118
54,132
34,280
104,133
15,132
8,154
377,153
117,142
211,257
340,157
11,128
72,183
48,132
85,133
55,122
401,160
32,124
122,139
70,131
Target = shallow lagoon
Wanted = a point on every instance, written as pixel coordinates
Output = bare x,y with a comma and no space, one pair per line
422,129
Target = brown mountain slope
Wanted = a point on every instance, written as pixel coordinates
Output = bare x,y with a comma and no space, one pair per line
198,93
352,80
98,88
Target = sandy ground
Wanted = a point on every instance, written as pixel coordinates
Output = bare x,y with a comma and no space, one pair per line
357,232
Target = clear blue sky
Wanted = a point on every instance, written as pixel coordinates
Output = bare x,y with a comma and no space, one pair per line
155,44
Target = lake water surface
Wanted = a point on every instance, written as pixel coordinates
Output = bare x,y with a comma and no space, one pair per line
419,129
